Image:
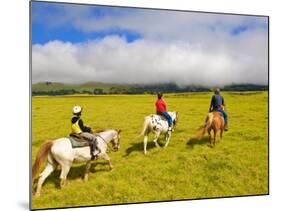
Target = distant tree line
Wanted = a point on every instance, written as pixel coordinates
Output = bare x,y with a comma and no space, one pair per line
245,87
61,92
150,89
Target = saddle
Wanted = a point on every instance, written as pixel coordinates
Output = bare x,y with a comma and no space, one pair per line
159,117
220,113
79,137
78,141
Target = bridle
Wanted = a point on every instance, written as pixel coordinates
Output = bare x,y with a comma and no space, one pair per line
117,143
114,145
101,138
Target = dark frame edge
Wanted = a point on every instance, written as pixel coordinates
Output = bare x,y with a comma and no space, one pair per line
268,103
30,105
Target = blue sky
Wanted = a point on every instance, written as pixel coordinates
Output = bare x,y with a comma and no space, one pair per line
129,45
45,13
51,21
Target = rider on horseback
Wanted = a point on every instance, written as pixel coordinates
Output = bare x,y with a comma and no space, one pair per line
162,110
217,104
78,128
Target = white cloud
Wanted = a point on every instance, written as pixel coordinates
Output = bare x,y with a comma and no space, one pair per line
240,59
179,47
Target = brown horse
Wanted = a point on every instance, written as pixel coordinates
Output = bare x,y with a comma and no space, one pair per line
214,121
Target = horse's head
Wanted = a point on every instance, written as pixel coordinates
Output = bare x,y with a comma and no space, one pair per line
116,140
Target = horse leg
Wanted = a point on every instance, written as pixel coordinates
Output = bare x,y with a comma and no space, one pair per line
210,136
87,170
106,157
47,171
221,133
168,137
215,137
145,143
64,172
156,138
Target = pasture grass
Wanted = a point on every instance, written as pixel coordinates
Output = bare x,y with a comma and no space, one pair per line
187,169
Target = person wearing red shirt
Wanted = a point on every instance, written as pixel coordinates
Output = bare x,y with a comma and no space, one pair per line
161,109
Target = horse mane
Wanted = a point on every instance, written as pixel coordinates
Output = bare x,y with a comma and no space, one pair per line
99,130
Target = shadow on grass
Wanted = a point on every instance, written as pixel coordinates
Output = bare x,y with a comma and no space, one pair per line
194,141
179,130
76,172
139,147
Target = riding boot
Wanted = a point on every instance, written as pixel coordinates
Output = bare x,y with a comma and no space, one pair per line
169,132
93,149
172,128
92,152
226,127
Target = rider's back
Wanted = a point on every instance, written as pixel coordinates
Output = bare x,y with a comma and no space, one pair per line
217,101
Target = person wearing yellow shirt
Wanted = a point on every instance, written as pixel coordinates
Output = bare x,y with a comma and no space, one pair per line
78,127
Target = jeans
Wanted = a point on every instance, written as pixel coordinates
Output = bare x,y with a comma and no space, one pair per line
93,142
168,117
224,116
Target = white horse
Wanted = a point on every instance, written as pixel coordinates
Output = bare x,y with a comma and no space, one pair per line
157,124
60,152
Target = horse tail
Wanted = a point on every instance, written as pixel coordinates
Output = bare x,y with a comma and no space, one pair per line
41,157
204,128
145,126
144,129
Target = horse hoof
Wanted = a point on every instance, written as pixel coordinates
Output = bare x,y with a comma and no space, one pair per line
62,184
37,194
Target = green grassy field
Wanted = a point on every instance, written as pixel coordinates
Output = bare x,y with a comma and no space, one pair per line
187,169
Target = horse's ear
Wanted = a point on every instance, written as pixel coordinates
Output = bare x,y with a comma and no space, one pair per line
119,131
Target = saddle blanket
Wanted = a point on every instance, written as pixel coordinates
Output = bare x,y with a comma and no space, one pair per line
77,142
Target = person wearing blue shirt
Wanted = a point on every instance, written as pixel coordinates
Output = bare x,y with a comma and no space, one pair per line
217,104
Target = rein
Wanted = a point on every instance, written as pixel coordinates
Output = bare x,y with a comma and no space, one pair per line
101,138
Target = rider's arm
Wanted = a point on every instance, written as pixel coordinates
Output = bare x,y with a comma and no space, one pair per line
223,105
164,105
211,104
84,128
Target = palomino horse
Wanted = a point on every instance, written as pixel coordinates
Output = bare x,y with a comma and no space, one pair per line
214,121
60,152
157,124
